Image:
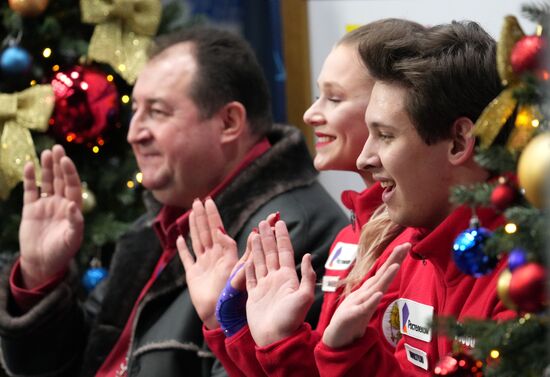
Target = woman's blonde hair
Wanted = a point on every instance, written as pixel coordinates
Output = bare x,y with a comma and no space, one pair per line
376,235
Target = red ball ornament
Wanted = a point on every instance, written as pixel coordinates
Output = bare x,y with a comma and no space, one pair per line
28,8
458,364
503,196
86,105
528,53
527,288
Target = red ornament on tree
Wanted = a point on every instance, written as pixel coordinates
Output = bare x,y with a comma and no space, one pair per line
86,105
503,196
527,288
458,364
528,53
28,8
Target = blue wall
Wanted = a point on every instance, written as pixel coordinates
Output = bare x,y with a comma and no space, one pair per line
259,21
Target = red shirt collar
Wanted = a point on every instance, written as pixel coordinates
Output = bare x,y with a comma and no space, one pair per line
363,203
173,221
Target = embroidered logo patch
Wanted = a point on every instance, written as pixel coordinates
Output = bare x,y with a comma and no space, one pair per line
390,323
342,257
415,319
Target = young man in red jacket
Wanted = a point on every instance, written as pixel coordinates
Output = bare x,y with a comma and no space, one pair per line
420,118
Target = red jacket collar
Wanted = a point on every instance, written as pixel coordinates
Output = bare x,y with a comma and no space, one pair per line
363,203
436,245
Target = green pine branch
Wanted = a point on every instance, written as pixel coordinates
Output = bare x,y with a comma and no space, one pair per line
538,12
521,343
531,91
496,159
475,195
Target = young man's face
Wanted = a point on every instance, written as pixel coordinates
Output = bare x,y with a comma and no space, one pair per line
416,176
178,152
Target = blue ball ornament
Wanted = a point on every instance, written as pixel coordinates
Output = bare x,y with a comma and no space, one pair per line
92,277
516,258
15,60
468,252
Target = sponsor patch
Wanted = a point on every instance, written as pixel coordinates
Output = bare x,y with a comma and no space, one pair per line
415,319
330,283
417,357
342,257
390,323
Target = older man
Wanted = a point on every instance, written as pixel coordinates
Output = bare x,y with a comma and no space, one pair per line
201,127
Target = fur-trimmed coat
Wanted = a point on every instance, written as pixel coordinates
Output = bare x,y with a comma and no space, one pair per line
62,337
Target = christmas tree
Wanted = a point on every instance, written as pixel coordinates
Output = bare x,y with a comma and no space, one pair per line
66,75
514,137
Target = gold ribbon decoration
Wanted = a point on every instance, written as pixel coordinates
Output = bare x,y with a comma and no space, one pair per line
19,114
123,32
495,115
527,120
510,34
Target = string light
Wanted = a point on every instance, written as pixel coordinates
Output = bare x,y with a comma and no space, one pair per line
47,52
130,184
527,117
70,136
33,82
95,149
494,354
55,68
510,228
125,98
110,78
139,177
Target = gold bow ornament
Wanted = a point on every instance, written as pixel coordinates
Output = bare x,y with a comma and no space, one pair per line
497,113
19,114
123,32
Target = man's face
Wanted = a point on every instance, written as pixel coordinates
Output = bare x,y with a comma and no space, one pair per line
176,150
338,115
416,176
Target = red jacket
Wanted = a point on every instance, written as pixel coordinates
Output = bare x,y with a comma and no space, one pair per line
294,355
431,284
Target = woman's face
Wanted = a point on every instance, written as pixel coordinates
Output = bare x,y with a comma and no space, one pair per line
338,114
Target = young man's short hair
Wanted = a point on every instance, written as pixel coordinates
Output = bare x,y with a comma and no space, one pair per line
451,74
